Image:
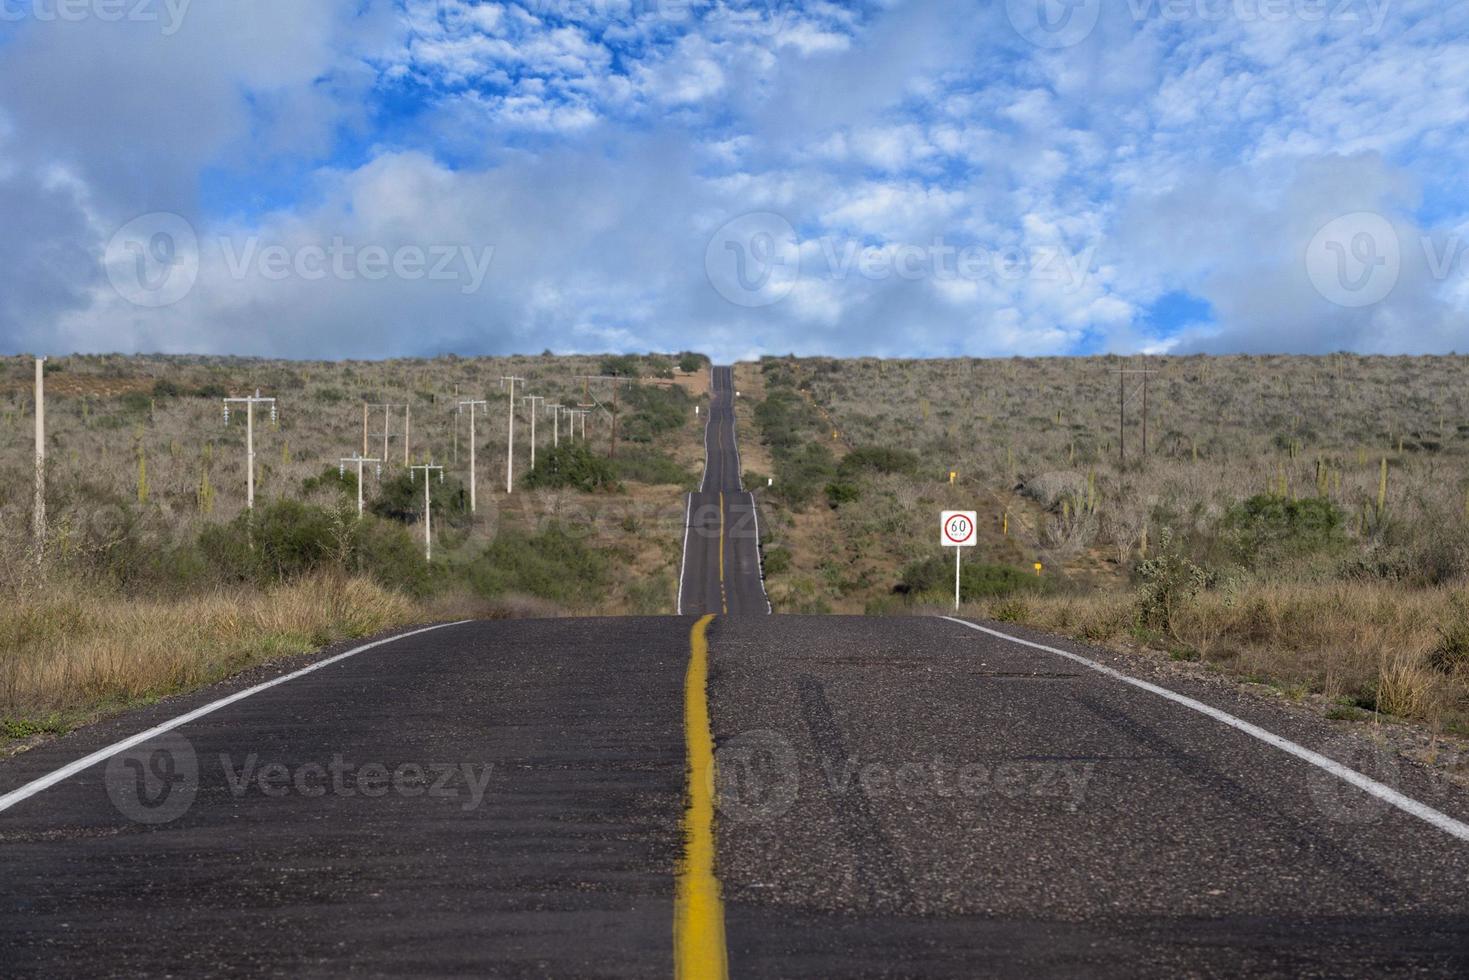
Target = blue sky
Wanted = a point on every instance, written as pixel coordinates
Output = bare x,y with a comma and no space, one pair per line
905,178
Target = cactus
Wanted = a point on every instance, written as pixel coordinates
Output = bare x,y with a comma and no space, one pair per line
1382,490
142,478
205,493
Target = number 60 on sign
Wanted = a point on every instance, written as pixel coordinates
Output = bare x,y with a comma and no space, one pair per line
958,529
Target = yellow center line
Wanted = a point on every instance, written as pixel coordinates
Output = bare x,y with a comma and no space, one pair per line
723,597
699,951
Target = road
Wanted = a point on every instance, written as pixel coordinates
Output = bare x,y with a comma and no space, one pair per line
896,797
721,567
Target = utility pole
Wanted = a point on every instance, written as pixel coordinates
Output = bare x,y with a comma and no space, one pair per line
387,428
533,399
473,502
458,411
616,380
407,429
555,409
358,461
510,383
428,508
40,505
249,401
1122,374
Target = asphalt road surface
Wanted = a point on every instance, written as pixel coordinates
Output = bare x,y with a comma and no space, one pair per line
896,798
721,564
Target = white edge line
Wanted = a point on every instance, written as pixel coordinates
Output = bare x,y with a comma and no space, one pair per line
51,779
684,563
1387,794
760,555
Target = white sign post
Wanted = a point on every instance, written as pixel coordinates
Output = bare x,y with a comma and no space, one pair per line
958,529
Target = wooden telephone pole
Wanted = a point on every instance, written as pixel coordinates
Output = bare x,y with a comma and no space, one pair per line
533,399
616,380
1122,399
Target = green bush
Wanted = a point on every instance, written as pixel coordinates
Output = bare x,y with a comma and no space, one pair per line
980,580
341,481
648,412
798,475
279,540
1269,526
621,366
551,564
879,459
392,555
785,420
1168,581
400,498
838,493
649,466
163,388
689,362
571,464
777,560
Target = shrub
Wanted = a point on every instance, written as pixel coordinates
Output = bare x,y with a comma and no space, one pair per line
650,466
283,539
551,564
777,560
799,475
571,464
689,362
332,479
980,580
388,552
163,388
1270,525
621,366
839,493
879,459
400,498
649,412
1168,581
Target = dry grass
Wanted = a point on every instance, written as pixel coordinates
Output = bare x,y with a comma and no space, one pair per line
68,654
1363,618
1363,645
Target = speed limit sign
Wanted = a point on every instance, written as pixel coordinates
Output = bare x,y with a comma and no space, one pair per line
958,529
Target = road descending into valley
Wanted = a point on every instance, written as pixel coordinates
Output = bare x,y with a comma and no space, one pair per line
726,792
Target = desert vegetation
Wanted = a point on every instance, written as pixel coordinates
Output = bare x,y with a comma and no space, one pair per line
1299,521
155,578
